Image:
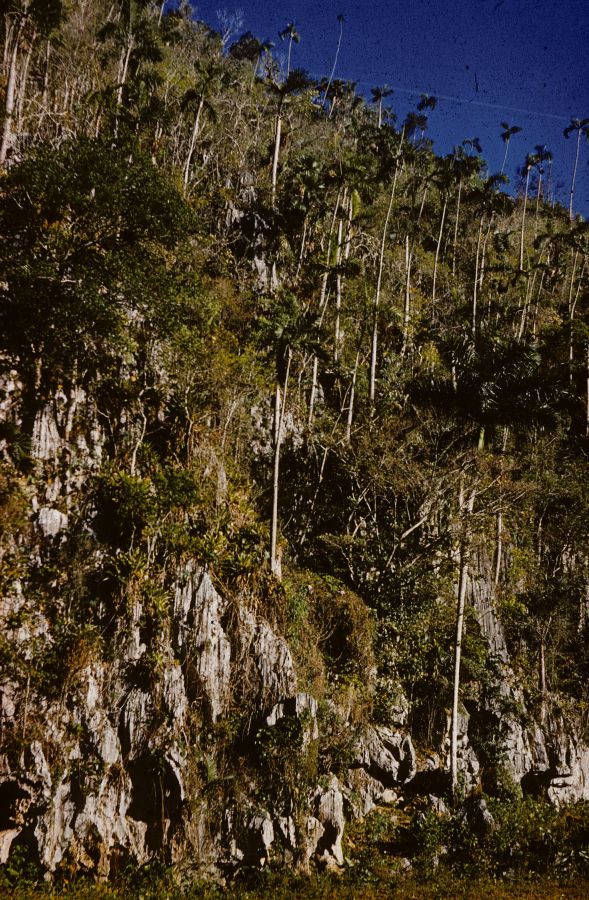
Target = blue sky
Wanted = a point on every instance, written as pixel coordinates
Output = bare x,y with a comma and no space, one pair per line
523,61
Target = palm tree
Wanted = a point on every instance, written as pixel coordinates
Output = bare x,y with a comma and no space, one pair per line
290,331
465,511
444,179
196,98
532,161
296,81
542,156
292,34
413,123
427,102
473,144
581,126
264,48
506,135
376,302
466,167
378,95
487,194
526,169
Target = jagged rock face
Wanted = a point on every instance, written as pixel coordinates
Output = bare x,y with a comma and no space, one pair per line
112,776
117,773
545,757
201,639
481,595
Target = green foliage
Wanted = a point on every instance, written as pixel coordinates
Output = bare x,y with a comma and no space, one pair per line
92,228
528,838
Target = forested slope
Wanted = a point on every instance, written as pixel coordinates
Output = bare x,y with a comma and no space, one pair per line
285,397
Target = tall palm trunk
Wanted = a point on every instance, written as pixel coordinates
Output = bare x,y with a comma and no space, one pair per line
339,43
574,177
277,140
587,389
466,508
343,252
437,256
350,416
279,408
522,236
9,99
193,140
407,295
22,90
338,292
456,227
124,68
504,157
537,211
572,303
376,303
322,305
409,248
476,278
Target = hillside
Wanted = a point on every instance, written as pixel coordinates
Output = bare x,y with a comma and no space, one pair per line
294,422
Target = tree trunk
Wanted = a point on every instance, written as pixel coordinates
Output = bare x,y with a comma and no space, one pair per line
504,157
498,549
45,94
456,227
376,303
124,70
322,306
279,407
542,684
338,289
572,191
457,657
193,140
10,96
350,417
407,296
571,309
537,211
521,243
587,389
466,511
437,256
22,89
476,279
277,138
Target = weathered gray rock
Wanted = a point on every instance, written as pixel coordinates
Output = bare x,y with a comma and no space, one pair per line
46,442
476,814
51,522
271,665
260,837
201,638
481,594
330,814
6,838
468,763
302,706
363,792
386,755
124,787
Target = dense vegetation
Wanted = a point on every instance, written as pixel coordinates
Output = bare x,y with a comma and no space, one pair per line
339,370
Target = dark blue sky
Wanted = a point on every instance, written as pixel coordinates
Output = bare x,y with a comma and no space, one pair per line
523,61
